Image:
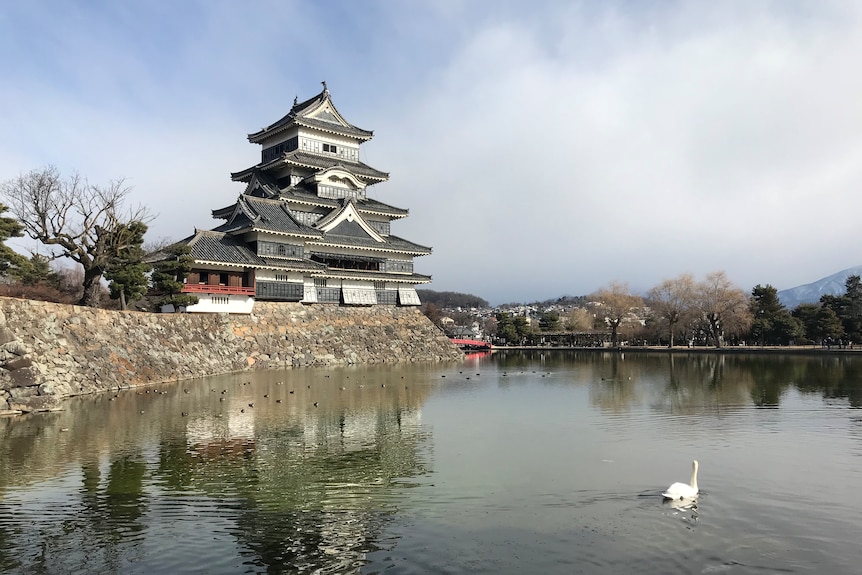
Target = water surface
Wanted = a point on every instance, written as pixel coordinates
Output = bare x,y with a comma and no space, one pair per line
513,463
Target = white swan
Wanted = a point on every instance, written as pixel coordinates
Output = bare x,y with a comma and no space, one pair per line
682,490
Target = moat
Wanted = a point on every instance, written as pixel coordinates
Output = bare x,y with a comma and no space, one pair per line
512,462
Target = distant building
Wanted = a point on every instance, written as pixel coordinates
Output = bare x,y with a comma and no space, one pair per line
304,228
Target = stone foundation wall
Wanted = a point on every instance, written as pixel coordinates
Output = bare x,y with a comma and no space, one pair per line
51,351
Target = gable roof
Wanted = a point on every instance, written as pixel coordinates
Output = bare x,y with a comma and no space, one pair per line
259,180
317,112
263,214
348,220
366,205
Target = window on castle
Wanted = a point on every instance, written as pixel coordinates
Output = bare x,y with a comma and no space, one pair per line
399,266
307,218
337,192
387,297
346,262
342,151
329,295
279,250
275,151
381,228
284,291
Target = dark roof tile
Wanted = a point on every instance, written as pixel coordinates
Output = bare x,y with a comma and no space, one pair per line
392,243
214,246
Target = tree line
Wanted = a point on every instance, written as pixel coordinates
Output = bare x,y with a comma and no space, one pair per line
713,312
451,299
91,225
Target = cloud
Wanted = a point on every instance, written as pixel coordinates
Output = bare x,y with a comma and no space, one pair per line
708,149
541,152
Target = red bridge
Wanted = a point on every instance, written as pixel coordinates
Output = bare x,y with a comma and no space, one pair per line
471,344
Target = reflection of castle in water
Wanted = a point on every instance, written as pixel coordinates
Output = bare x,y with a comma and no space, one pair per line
297,486
320,483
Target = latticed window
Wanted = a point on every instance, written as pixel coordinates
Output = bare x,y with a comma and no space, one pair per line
275,151
318,147
278,249
387,296
399,266
277,290
381,228
329,295
336,193
307,218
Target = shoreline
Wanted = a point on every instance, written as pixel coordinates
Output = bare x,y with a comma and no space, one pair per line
774,350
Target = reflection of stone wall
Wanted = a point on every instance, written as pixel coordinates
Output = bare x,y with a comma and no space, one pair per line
50,351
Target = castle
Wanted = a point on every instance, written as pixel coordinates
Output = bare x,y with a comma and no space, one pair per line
304,229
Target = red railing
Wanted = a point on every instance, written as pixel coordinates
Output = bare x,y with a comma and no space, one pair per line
471,344
204,288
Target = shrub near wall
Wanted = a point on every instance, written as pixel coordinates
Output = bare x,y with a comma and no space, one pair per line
51,351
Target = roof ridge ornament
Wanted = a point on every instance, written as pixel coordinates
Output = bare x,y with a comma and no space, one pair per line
325,89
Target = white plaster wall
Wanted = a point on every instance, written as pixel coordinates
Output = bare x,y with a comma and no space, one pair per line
269,275
236,304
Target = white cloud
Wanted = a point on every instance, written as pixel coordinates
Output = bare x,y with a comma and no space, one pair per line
540,153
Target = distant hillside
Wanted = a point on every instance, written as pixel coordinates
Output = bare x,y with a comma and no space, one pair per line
450,299
810,293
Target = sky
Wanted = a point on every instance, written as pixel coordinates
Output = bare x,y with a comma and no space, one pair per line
543,149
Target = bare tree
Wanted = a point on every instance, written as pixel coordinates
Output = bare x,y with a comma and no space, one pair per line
723,306
617,302
158,244
81,221
672,301
578,320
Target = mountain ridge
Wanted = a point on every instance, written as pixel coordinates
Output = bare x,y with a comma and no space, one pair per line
810,293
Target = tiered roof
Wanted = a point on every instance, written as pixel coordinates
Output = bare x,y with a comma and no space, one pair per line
302,114
282,196
311,161
212,246
250,213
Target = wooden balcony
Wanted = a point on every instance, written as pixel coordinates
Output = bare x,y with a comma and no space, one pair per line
219,289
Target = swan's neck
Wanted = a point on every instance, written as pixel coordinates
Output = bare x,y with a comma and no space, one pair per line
694,475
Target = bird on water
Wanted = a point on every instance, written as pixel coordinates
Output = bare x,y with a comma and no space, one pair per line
684,490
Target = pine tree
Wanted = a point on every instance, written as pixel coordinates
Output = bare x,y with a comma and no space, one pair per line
169,274
772,323
10,260
128,272
36,270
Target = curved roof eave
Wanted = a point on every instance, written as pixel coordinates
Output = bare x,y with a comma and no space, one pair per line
225,264
283,233
299,113
417,252
372,276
